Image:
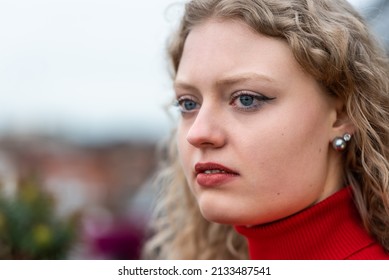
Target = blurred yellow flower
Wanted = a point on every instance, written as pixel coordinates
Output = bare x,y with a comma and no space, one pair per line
29,194
42,234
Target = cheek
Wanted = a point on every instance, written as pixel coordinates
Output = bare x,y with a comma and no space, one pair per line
183,148
286,147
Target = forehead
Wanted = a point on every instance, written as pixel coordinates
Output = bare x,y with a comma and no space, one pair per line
218,49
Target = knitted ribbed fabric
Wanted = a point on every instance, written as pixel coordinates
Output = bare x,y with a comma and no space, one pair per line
329,230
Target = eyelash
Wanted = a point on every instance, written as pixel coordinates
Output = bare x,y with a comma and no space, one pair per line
180,104
259,98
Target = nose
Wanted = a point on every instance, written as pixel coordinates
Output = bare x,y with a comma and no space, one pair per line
207,130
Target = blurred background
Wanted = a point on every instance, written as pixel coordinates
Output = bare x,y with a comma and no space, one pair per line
83,90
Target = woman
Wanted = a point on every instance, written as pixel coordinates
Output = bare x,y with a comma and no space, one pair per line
283,140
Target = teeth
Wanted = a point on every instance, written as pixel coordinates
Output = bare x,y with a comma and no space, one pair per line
214,171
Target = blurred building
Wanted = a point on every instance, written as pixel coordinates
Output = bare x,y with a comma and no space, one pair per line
102,182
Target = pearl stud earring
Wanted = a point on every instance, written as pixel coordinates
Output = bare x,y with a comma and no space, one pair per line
340,143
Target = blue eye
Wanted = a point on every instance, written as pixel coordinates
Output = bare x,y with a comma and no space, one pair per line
189,105
186,105
248,101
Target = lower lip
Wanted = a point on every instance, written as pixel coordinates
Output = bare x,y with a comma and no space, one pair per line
214,180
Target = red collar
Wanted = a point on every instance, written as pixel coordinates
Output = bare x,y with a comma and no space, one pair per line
331,229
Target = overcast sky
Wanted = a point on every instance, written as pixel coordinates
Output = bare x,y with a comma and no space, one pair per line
94,68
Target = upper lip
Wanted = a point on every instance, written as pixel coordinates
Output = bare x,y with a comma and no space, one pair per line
202,167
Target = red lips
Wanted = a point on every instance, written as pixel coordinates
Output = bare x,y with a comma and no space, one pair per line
213,174
203,167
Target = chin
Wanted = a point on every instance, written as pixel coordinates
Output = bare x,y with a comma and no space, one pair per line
221,215
234,217
220,208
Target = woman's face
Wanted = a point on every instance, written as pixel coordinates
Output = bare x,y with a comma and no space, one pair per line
254,137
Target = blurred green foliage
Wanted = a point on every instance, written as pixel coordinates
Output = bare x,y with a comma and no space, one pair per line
29,227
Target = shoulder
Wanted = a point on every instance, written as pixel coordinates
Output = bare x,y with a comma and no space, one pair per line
373,251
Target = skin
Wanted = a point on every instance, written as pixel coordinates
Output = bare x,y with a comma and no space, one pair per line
277,142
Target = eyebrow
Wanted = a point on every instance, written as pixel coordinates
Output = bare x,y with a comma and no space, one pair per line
229,80
245,77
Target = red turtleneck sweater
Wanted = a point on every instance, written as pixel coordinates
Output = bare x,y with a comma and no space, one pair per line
329,230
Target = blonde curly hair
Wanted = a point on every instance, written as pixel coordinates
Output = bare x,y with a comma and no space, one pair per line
331,41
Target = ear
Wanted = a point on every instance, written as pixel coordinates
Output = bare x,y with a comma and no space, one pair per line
342,123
